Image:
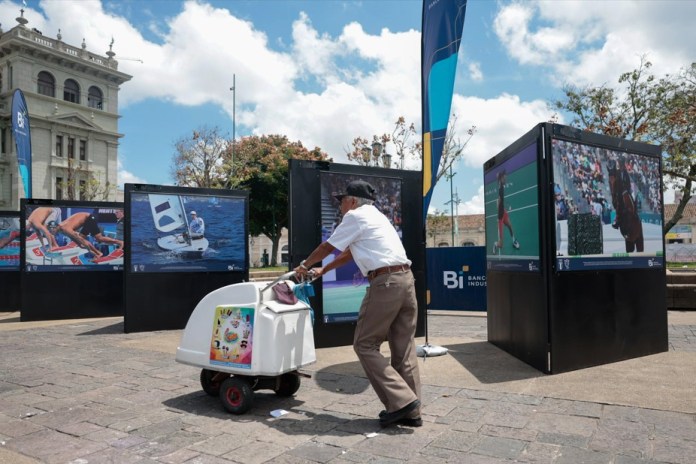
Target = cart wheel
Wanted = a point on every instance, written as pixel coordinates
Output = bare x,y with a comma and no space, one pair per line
236,395
289,384
211,381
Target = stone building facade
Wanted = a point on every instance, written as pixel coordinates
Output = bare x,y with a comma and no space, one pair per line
72,98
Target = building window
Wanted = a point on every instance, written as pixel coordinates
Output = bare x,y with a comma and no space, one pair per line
3,138
59,145
71,147
94,98
443,244
71,91
83,150
46,84
59,188
468,244
83,189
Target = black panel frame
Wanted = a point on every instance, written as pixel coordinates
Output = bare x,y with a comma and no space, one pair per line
599,317
10,280
71,294
165,300
305,234
558,321
517,312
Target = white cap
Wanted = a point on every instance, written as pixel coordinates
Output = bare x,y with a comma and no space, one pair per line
192,212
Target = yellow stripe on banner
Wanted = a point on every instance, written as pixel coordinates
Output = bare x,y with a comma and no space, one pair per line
427,164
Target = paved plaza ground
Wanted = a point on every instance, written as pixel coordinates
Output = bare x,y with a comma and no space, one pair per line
83,392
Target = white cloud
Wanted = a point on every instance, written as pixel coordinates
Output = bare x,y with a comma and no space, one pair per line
125,177
499,122
475,205
475,73
591,43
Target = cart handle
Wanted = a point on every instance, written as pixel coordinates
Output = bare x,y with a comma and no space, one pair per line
285,276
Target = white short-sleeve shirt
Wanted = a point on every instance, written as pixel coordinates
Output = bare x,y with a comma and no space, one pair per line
372,239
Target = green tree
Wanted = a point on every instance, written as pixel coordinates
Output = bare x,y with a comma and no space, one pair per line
646,109
199,159
261,166
437,224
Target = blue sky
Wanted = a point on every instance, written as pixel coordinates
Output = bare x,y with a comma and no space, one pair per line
325,72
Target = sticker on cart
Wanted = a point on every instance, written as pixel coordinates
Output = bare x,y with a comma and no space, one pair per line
233,332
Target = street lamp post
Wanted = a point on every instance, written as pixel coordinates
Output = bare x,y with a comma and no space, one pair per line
234,116
375,155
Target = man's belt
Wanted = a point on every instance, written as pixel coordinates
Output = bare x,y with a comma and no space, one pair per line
387,270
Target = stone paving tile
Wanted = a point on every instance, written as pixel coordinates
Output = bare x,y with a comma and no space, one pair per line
498,447
138,406
18,427
316,452
563,424
218,445
52,447
633,438
571,455
539,452
673,449
509,432
256,453
577,441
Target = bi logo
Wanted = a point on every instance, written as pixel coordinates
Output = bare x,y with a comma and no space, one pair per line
457,279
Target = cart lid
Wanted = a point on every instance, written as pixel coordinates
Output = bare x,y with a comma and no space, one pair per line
277,307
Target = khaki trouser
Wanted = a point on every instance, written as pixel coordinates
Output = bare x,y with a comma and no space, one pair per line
389,312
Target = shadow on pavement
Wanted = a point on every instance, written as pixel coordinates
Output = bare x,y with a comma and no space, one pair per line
490,364
298,420
112,329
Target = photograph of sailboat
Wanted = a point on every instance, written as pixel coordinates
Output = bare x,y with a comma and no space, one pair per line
182,233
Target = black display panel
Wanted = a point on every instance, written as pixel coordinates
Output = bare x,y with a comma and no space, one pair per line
310,205
511,192
10,250
164,284
73,236
9,241
84,276
596,298
608,208
343,289
187,233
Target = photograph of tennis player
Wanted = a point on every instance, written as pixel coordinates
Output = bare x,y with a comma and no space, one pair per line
344,287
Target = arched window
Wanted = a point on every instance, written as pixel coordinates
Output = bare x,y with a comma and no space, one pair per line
46,84
71,91
443,244
94,98
468,244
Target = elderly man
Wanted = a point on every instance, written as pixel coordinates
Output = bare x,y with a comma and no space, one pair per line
389,309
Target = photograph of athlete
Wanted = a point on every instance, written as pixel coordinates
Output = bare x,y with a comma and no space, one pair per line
503,216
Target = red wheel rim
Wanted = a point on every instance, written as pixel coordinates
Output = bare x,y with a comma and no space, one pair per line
234,396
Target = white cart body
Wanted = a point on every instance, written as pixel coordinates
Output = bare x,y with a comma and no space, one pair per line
239,329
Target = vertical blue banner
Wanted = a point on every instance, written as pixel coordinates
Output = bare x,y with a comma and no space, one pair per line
22,136
443,22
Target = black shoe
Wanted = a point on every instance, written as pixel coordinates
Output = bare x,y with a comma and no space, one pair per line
407,421
393,417
412,422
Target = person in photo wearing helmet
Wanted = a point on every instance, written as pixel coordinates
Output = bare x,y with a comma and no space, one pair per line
196,226
389,309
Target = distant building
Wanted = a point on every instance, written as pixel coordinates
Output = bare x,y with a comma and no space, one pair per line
684,230
470,231
72,98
